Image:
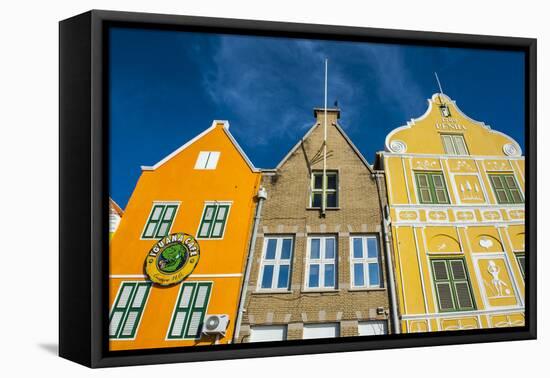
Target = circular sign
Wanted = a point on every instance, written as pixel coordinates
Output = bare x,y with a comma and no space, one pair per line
172,259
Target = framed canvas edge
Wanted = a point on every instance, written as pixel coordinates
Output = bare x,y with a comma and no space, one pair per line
100,357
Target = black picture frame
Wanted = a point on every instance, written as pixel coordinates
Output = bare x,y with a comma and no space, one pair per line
83,196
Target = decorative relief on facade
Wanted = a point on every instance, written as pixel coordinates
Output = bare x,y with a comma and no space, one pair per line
461,166
506,320
491,215
497,165
510,150
398,146
443,243
437,215
497,282
464,216
428,164
408,215
516,214
418,326
458,324
469,189
487,243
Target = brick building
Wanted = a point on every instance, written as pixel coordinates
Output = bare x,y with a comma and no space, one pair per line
312,274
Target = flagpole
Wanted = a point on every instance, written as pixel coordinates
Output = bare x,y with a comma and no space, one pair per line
324,199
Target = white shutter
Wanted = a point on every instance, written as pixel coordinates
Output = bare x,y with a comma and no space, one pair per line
374,327
213,160
267,333
320,331
201,160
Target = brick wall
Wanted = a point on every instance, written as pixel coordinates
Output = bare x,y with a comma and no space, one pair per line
287,212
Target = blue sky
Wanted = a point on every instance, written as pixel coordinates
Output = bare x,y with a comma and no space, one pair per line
168,86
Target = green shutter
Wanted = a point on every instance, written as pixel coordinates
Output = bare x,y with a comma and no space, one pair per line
128,309
439,188
190,310
424,191
431,188
506,188
159,222
452,285
213,221
219,221
520,257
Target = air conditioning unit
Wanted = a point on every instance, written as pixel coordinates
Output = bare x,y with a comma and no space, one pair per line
215,324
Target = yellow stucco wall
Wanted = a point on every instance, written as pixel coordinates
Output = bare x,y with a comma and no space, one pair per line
472,226
221,260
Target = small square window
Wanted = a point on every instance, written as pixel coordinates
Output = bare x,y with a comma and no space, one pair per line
330,192
207,160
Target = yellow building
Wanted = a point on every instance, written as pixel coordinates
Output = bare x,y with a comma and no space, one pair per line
456,197
205,189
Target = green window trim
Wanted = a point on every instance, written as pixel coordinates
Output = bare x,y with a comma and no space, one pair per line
189,311
452,285
330,190
213,221
506,188
431,188
520,259
128,309
160,220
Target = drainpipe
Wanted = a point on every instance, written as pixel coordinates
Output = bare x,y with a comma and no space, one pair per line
262,195
389,261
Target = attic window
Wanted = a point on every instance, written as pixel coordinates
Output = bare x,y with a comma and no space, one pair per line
207,160
445,112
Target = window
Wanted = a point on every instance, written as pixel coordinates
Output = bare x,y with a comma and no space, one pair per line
267,333
452,285
160,220
445,111
214,219
275,268
520,257
365,262
321,331
190,310
373,327
331,189
207,160
431,187
321,262
454,144
506,188
127,309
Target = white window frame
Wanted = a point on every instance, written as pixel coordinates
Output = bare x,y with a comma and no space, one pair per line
374,324
284,328
207,160
321,261
365,260
276,263
335,326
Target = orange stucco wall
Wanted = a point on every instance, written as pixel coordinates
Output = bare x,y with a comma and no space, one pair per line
222,260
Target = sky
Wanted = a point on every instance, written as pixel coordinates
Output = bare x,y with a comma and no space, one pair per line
168,86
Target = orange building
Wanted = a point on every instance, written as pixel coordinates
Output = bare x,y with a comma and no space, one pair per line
207,189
